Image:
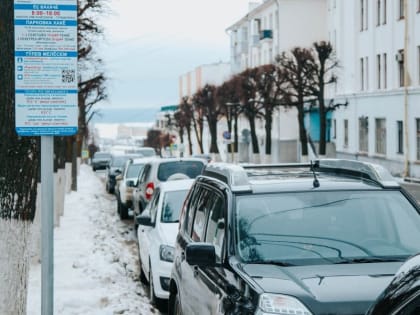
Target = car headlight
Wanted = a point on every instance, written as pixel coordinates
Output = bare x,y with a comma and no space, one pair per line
166,253
281,305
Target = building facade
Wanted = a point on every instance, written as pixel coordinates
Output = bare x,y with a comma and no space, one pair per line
378,46
269,29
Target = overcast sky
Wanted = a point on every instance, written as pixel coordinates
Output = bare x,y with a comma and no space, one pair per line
149,44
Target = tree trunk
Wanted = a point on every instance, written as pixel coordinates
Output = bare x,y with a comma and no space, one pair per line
254,139
19,176
74,165
190,149
322,130
213,134
302,131
268,127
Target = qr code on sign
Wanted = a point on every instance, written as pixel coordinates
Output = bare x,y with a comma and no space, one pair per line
68,76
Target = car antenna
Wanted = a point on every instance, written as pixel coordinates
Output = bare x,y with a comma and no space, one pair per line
316,181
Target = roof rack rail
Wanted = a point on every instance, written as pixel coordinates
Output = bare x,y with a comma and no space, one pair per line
237,176
374,172
231,174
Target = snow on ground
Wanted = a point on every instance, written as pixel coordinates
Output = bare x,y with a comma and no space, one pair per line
95,257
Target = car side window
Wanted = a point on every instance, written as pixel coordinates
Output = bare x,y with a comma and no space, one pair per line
201,211
215,232
191,207
154,207
143,175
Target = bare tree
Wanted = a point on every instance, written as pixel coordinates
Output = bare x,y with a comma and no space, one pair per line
198,121
269,83
249,98
298,68
324,75
184,117
205,100
228,99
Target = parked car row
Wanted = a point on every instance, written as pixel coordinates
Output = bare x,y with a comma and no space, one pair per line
333,237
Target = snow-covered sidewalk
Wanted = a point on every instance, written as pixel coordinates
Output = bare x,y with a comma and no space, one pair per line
95,257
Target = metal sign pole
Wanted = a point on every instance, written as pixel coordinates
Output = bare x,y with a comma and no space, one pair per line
47,225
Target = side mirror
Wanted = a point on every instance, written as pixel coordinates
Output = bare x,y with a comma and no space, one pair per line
144,220
131,183
201,254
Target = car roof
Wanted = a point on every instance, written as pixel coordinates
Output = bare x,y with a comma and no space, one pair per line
177,184
171,160
144,159
323,174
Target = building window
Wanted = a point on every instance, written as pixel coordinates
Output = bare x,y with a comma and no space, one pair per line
363,134
385,70
400,137
380,135
362,74
378,70
401,9
384,11
378,12
418,61
346,133
400,62
366,73
418,137
363,15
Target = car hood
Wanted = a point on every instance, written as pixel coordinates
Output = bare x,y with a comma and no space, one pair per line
326,289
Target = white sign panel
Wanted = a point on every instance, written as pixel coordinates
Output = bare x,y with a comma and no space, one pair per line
46,67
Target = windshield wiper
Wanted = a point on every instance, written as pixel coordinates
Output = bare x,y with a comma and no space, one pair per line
271,262
367,260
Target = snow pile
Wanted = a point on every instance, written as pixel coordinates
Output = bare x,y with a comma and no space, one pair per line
95,257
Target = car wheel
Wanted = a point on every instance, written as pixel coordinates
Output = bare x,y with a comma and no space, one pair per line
123,212
143,278
159,303
177,306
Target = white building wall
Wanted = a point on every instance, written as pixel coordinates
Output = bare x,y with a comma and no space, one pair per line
375,101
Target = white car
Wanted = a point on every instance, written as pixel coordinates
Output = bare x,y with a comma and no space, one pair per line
126,183
157,231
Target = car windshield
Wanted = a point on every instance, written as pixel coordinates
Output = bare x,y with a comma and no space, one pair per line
172,204
119,161
101,155
326,227
133,170
190,168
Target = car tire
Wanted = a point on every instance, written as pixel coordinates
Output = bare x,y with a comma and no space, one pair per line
154,300
142,276
176,308
123,211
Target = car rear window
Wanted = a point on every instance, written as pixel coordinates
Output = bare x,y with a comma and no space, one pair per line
134,170
172,204
190,168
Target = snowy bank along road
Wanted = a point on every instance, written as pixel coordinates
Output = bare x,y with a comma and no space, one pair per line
96,270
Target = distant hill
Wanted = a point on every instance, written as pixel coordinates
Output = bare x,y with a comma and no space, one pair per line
125,115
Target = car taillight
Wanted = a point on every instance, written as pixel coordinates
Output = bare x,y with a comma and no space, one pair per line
150,188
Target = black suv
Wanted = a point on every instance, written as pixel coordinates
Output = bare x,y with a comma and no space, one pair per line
310,239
